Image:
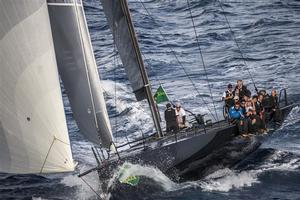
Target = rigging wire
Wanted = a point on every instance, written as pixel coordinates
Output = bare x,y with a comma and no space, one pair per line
238,46
93,190
179,62
115,91
151,68
116,63
201,56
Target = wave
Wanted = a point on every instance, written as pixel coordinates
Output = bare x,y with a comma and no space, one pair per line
222,180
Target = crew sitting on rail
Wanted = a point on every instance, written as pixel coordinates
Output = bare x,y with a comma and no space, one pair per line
236,115
253,112
228,96
243,106
171,119
181,116
254,121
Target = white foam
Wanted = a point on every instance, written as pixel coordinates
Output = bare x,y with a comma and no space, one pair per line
146,171
292,118
83,191
137,117
225,180
38,198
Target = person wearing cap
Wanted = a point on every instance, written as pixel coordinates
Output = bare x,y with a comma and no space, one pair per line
181,116
236,115
171,119
228,96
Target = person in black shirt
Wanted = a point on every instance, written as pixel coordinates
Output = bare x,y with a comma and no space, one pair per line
241,89
227,97
170,117
260,110
274,107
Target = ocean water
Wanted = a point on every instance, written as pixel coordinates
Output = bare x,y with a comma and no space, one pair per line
268,33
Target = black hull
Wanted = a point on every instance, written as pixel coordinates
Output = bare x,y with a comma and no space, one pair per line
188,155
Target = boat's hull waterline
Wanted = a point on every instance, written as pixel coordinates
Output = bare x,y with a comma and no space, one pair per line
188,155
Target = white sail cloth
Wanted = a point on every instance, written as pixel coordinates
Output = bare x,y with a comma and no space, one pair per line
33,132
78,70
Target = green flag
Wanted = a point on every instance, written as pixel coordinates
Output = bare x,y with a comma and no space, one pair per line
126,177
131,180
160,95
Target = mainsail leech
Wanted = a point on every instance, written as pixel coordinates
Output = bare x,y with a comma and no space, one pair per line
119,20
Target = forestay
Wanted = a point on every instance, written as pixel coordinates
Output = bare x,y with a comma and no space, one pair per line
78,70
33,132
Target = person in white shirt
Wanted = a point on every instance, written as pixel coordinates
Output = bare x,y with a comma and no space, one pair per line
181,116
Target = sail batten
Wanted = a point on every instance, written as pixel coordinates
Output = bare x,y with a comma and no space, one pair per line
31,107
78,71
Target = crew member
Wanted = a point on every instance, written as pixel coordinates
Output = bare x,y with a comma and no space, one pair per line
260,110
237,117
170,117
275,111
228,96
241,89
181,117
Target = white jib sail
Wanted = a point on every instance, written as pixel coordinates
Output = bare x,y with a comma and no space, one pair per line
78,70
33,132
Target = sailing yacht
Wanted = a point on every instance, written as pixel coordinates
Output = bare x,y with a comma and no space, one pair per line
42,42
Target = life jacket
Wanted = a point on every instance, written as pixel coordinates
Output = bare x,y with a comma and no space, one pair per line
229,102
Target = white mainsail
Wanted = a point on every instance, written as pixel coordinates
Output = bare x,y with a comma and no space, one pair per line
33,132
78,70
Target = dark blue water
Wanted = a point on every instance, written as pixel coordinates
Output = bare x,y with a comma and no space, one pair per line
268,33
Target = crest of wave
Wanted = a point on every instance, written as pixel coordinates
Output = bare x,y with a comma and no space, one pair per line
143,171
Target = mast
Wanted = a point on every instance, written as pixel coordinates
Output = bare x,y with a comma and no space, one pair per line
149,95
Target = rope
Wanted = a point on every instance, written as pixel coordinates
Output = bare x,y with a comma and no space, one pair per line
201,56
98,195
151,68
238,46
115,86
177,59
54,138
